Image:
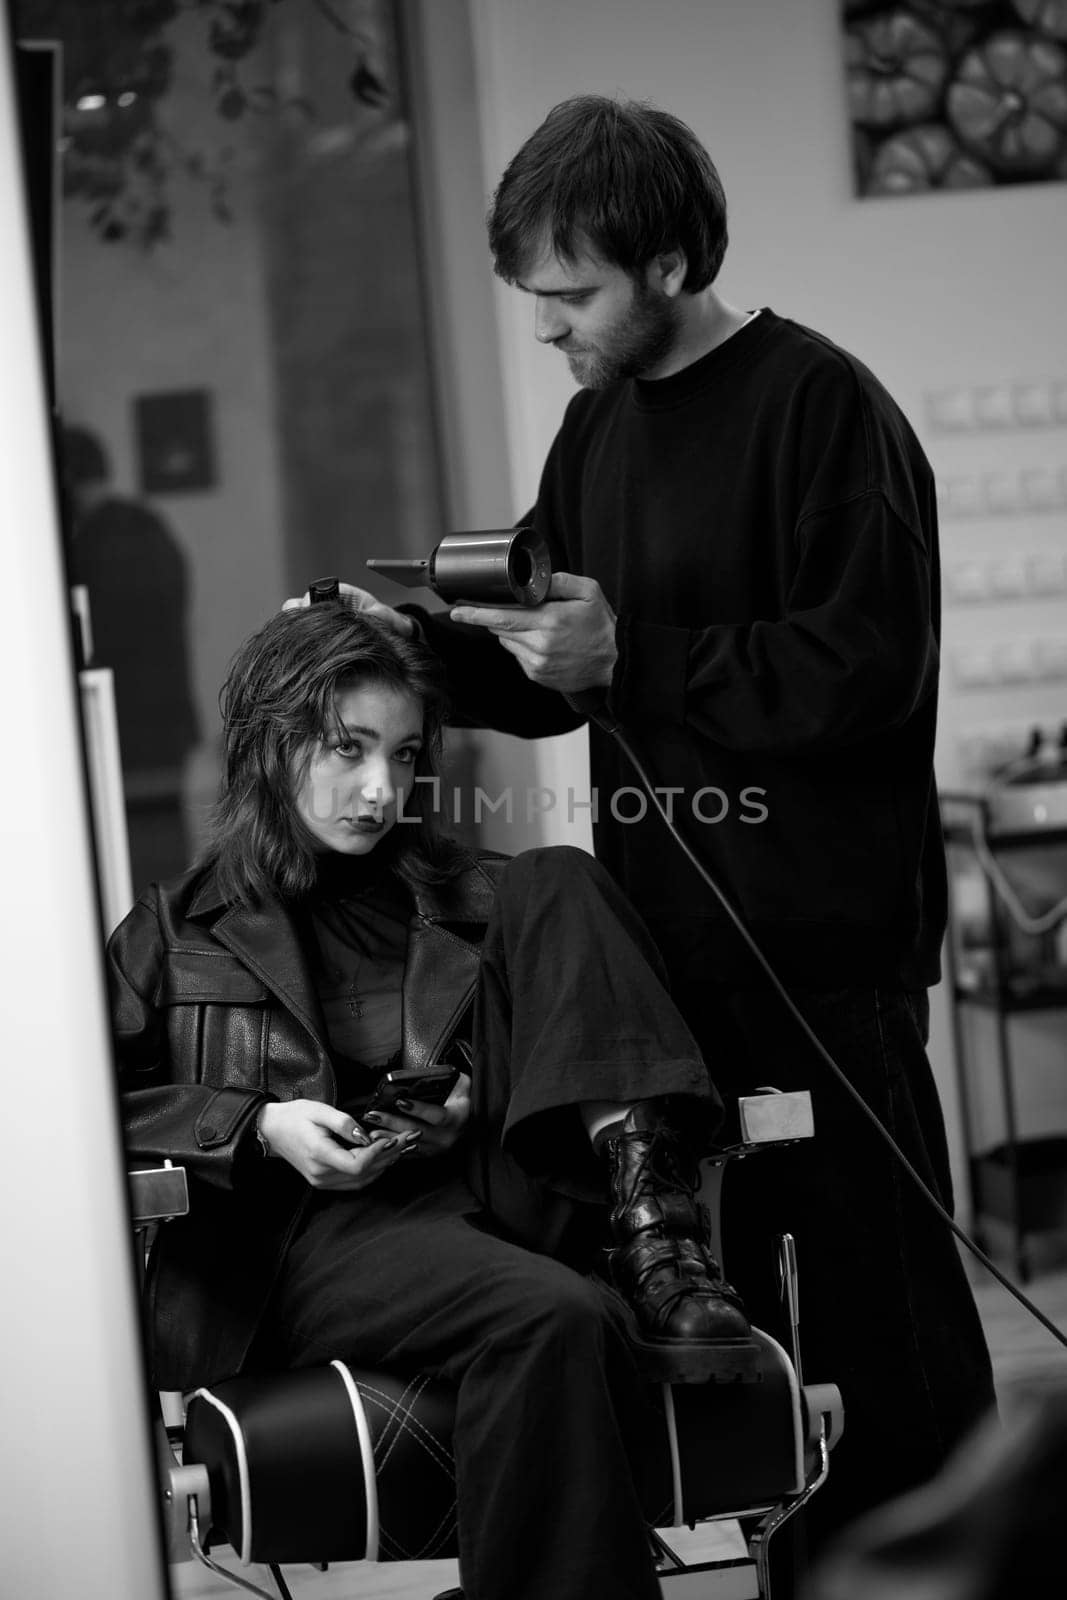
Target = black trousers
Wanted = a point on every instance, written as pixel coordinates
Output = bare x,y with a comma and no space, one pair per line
886,1310
451,1269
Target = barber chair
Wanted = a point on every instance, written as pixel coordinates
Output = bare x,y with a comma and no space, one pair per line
341,1464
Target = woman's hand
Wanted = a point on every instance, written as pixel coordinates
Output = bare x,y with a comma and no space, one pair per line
326,1146
438,1127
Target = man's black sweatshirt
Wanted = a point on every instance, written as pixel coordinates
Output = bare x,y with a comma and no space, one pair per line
763,523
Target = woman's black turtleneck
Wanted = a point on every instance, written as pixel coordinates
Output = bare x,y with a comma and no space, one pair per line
355,921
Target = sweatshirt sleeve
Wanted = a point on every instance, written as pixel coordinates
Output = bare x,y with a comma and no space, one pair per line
208,1130
487,687
853,655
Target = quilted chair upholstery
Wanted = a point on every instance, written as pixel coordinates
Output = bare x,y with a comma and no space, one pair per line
334,1464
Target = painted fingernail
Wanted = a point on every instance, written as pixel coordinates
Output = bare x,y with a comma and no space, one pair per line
404,1105
371,1116
413,1137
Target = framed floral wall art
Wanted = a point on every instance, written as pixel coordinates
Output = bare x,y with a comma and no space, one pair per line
955,94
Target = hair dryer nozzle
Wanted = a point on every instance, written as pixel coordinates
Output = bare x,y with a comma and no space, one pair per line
498,566
412,574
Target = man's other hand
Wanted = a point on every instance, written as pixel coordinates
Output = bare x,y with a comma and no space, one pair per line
363,600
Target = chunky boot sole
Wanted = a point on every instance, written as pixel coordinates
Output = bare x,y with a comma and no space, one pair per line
691,1360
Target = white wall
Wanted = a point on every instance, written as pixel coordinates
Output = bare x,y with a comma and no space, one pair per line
468,375
930,291
933,292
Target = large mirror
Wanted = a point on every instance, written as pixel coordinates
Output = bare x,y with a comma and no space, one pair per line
231,252
276,352
243,383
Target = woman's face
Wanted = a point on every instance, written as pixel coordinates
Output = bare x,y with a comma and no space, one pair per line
358,775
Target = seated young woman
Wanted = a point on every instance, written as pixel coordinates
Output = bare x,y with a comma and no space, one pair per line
329,934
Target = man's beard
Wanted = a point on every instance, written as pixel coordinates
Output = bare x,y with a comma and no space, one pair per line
638,341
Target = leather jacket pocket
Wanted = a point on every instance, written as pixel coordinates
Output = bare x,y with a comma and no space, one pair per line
217,1018
190,977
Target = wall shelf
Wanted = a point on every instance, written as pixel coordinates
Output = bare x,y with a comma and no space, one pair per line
1018,1181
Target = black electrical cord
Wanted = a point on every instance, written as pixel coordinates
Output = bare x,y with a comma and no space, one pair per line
598,713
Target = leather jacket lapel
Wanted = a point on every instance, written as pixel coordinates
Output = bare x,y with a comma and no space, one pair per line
439,983
266,941
444,954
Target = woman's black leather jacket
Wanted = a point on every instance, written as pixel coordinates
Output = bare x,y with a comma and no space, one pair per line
214,1012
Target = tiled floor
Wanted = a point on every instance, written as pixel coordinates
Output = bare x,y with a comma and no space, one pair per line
420,1580
1027,1362
399,1581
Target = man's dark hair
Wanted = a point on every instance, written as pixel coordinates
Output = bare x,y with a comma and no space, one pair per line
278,705
621,177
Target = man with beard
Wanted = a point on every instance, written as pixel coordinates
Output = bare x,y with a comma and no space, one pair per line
743,536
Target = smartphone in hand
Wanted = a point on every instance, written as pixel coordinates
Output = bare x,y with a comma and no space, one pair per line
431,1084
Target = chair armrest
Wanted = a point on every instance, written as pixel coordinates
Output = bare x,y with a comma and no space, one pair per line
824,1414
774,1117
157,1194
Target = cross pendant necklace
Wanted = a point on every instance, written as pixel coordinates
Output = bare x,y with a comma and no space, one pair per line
355,1004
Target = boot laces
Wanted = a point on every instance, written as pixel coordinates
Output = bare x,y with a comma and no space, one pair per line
649,1169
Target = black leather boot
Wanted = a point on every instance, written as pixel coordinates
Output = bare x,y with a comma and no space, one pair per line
690,1325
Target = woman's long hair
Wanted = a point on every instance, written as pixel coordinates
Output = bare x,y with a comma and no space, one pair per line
278,703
